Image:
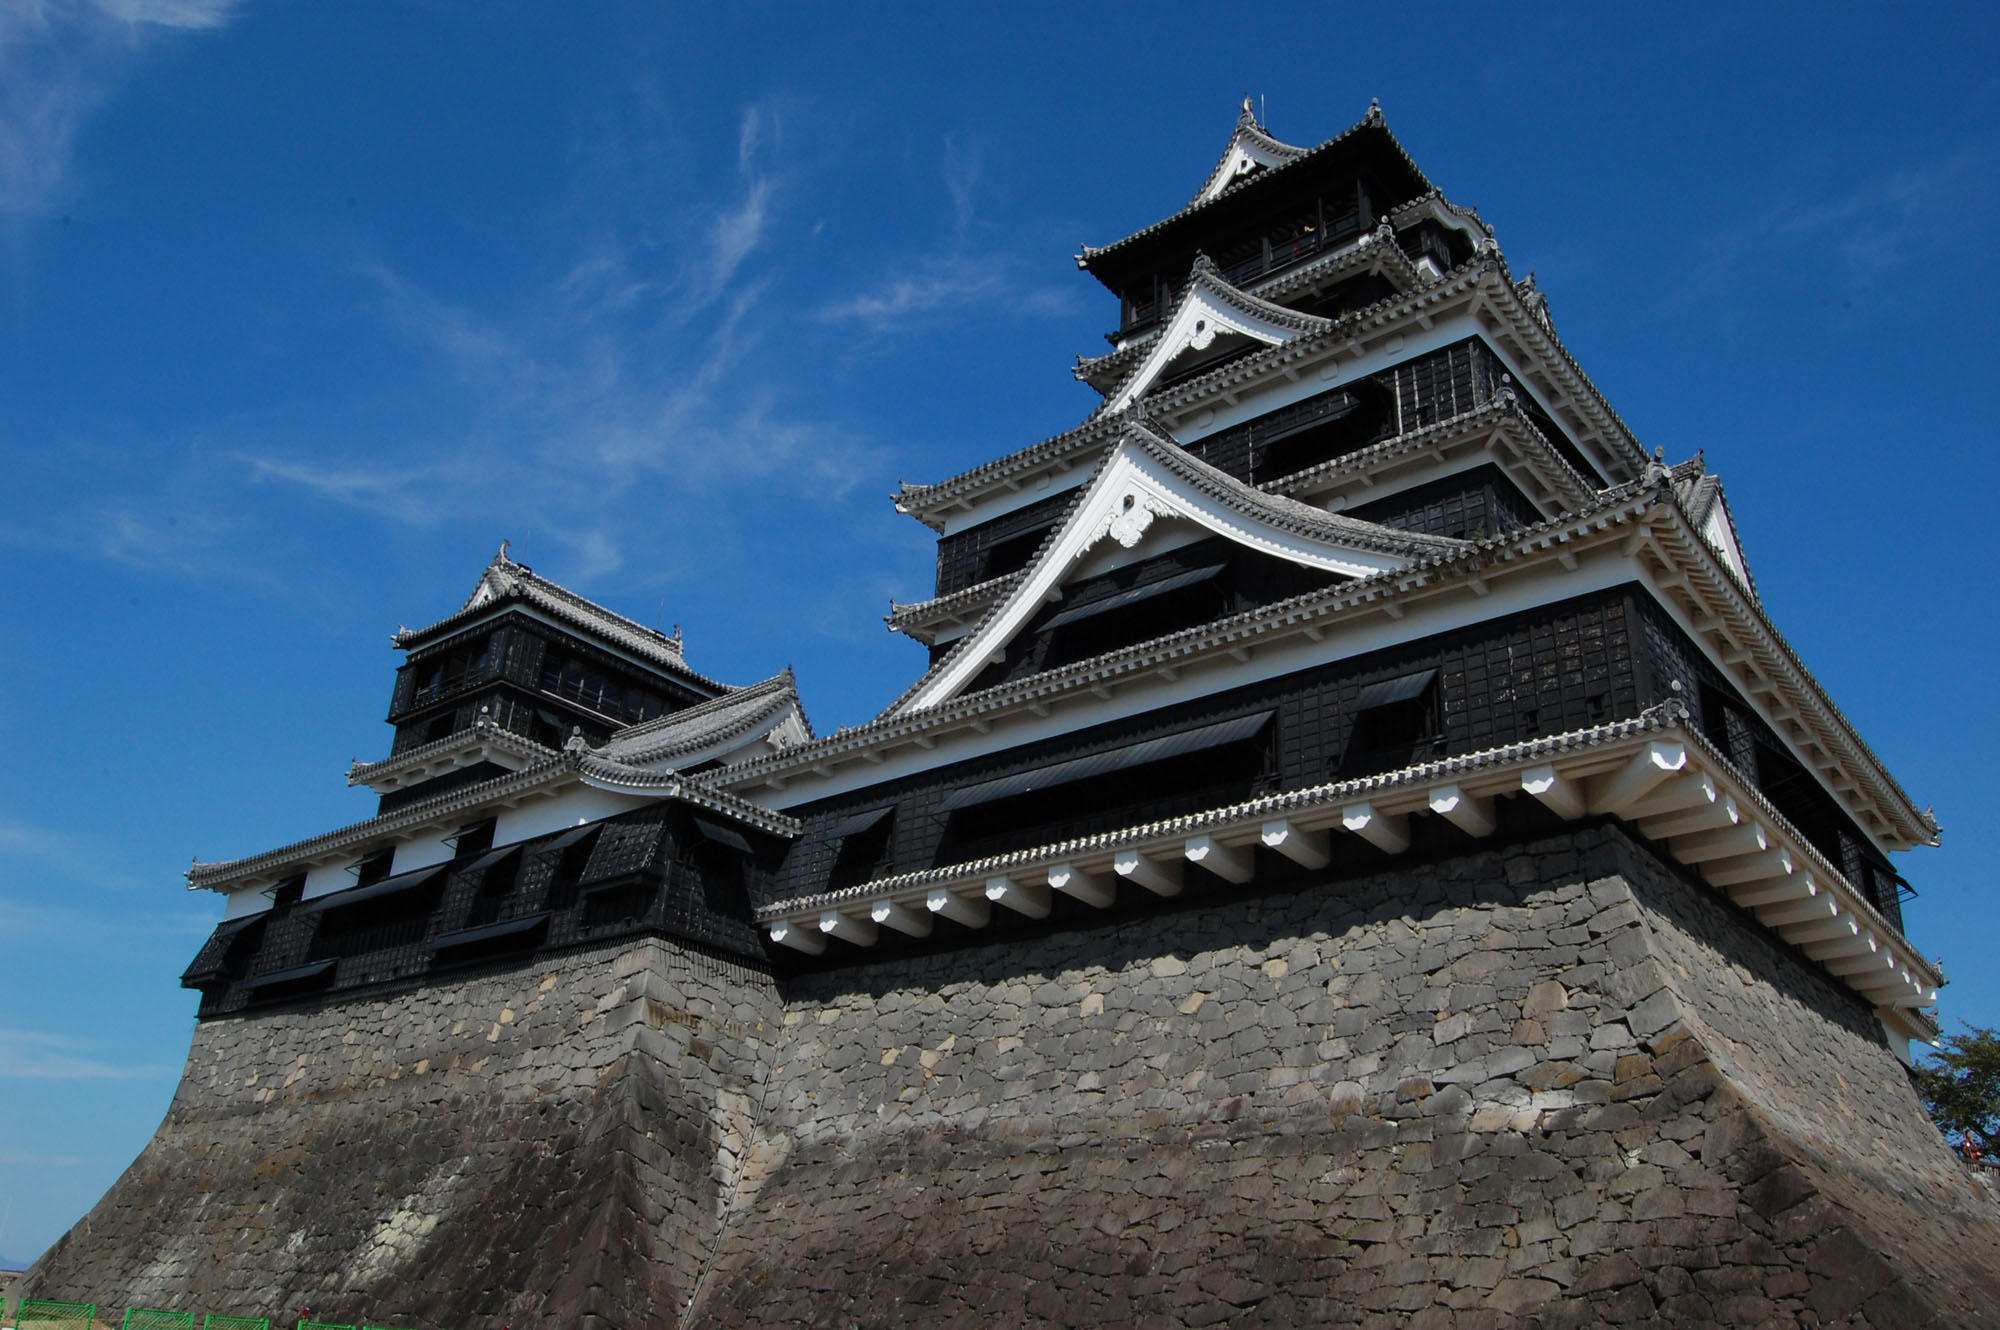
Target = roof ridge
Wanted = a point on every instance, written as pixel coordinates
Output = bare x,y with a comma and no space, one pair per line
503,578
1280,510
1373,120
1204,279
1098,421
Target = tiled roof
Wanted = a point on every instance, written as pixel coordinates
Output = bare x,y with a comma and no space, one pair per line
1502,413
1375,249
1373,122
916,617
1286,514
438,808
483,734
572,764
705,725
1204,280
1267,806
1247,131
1654,750
1619,508
505,580
1485,275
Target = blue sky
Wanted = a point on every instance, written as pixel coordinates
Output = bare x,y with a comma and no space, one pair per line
305,307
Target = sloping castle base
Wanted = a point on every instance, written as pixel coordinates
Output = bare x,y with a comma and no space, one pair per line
1554,1084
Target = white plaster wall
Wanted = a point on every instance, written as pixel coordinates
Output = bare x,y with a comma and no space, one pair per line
325,879
573,807
414,854
245,901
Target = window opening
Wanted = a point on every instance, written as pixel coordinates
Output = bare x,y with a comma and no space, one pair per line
1396,722
864,847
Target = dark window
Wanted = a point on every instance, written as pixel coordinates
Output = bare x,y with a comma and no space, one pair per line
453,670
1214,764
472,840
1012,554
1396,722
571,852
864,847
374,868
574,680
550,730
396,917
623,905
289,892
498,872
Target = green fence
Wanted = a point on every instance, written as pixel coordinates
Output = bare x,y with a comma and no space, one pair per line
147,1318
35,1314
38,1314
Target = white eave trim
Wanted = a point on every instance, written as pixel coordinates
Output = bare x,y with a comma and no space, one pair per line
1130,491
1654,773
1210,309
1480,284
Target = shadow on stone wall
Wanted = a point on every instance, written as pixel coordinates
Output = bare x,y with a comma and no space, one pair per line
1550,1084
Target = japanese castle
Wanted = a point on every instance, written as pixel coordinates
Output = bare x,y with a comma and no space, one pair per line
1352,565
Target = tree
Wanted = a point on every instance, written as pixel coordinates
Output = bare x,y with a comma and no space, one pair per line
1960,1086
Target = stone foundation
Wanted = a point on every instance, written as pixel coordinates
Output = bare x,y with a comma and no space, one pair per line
1552,1085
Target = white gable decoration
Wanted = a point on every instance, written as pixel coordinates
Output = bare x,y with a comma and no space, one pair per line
1250,149
1210,308
1133,488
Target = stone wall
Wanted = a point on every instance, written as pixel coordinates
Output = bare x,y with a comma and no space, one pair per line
482,1151
1553,1084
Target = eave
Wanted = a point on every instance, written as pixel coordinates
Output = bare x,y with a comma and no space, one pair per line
515,583
1152,476
1094,259
448,811
678,738
1221,644
441,812
926,620
1654,772
1499,426
1766,670
1375,251
1434,206
1479,286
1634,522
484,742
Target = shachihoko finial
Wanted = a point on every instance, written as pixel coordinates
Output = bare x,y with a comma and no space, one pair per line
1248,114
501,557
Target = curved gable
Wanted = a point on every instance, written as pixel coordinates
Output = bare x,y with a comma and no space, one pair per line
1143,479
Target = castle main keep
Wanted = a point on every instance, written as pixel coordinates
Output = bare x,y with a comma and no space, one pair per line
1360,854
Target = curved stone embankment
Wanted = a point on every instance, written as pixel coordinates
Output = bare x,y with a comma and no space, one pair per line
1546,1085
1554,1085
491,1150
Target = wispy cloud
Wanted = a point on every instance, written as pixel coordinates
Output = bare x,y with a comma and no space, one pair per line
1893,219
1884,227
37,1055
636,363
962,274
399,493
59,61
57,853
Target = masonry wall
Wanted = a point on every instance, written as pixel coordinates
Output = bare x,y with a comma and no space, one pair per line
1553,1084
544,1142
